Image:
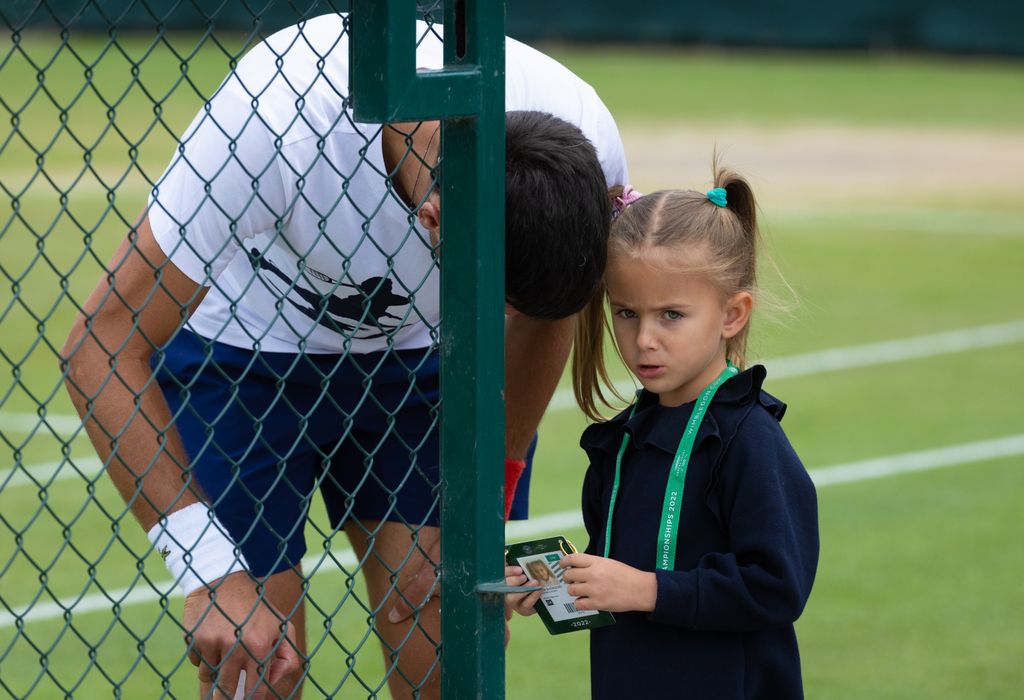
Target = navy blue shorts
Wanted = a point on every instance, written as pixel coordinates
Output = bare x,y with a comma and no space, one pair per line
264,431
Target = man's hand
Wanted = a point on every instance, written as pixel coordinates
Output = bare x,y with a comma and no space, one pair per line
424,586
606,584
230,629
521,603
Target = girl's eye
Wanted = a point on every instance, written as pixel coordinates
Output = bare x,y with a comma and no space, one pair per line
673,315
625,313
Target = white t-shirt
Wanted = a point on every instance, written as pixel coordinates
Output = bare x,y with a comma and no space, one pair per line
277,199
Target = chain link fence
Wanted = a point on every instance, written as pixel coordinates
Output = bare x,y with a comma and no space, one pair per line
95,97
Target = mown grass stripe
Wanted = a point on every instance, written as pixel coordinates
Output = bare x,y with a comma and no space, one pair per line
835,359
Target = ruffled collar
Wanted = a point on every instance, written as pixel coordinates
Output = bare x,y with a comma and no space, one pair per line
659,426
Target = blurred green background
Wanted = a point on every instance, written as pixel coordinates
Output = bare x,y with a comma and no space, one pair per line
890,187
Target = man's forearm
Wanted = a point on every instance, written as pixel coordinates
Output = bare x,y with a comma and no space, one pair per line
535,355
129,424
137,306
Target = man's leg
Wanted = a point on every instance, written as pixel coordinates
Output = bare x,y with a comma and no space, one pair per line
382,475
411,647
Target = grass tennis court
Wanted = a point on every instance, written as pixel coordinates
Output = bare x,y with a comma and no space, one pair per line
919,587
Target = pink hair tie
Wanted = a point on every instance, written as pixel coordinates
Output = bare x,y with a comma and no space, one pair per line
628,196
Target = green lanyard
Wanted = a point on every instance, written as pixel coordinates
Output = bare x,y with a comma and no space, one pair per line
670,511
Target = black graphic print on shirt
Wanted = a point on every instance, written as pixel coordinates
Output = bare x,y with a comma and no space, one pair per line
358,315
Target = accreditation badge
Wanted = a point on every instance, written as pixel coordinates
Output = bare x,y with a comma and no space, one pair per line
539,561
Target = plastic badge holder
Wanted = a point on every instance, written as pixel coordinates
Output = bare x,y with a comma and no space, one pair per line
539,561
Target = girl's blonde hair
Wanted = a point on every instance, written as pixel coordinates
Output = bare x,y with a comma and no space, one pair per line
728,238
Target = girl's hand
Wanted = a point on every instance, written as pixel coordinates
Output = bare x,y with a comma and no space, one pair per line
521,603
606,584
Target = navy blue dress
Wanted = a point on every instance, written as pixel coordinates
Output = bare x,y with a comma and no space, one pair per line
745,559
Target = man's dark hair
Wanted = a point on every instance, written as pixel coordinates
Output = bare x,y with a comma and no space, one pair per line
557,215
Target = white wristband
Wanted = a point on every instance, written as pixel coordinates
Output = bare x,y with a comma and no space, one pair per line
196,547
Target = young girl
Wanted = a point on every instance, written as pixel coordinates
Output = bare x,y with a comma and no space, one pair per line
702,520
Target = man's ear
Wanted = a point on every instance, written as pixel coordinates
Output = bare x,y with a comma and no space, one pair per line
738,308
429,215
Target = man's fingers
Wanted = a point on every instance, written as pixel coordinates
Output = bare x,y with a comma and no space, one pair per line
248,684
514,601
209,664
515,579
399,611
238,660
228,675
286,658
251,676
419,591
206,672
524,603
530,601
415,591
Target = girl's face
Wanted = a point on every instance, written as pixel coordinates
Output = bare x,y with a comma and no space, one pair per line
671,326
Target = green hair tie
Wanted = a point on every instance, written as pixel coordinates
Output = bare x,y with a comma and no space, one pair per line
717,196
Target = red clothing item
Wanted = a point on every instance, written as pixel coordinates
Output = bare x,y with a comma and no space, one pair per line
514,469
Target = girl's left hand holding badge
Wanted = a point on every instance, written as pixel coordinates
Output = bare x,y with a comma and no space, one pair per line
605,584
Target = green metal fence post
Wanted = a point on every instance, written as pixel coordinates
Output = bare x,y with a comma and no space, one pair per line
468,95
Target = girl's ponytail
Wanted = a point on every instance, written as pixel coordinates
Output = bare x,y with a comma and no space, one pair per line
740,197
743,258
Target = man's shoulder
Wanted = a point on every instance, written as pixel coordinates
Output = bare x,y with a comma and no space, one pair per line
536,78
299,69
536,81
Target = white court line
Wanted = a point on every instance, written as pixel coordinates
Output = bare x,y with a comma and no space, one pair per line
61,423
791,366
47,472
552,523
856,356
